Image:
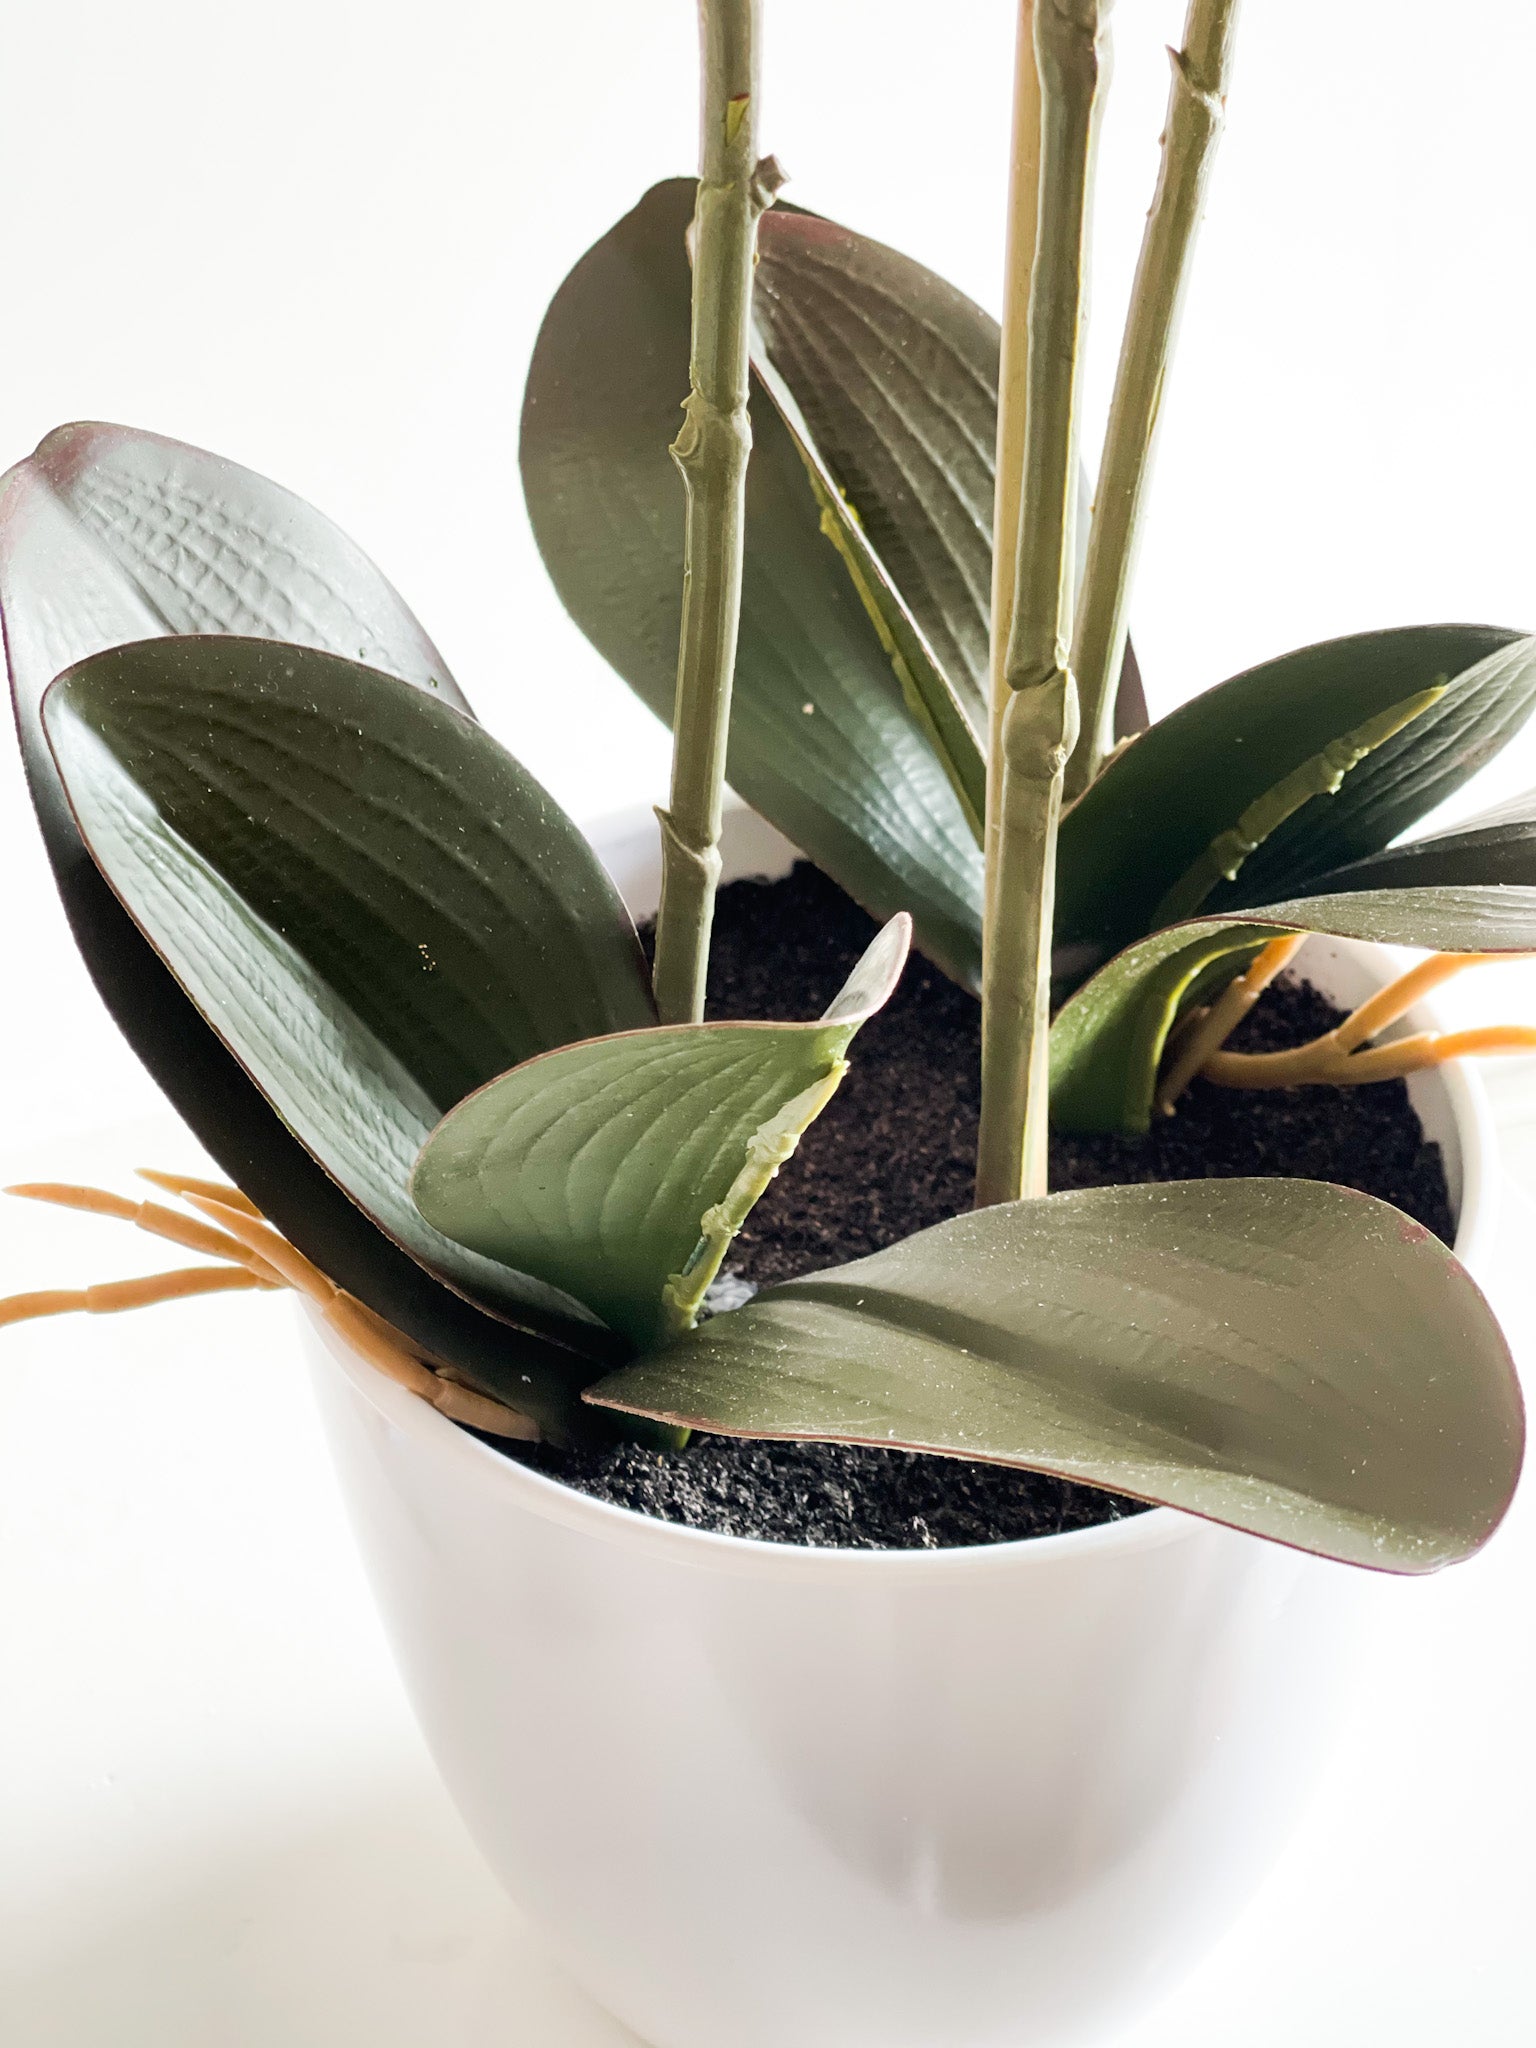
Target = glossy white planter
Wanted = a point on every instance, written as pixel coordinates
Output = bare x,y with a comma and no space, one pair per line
765,1797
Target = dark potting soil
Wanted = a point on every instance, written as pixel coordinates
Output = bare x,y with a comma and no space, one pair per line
895,1152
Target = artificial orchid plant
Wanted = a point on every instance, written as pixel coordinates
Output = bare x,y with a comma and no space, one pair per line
392,990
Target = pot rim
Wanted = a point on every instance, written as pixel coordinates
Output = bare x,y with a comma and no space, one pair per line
550,1499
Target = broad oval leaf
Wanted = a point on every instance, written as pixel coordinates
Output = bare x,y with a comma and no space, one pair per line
822,740
1234,783
374,907
619,1170
895,373
1286,1357
109,535
947,719
1107,1040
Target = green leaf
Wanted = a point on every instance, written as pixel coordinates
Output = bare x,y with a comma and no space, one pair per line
1292,1359
1495,847
894,374
1107,1040
619,1170
930,696
1230,783
822,740
108,535
374,907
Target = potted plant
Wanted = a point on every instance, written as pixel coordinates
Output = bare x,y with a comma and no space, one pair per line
796,1790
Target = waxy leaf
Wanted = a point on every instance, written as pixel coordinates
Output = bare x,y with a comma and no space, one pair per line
1290,1358
1237,782
956,739
823,742
895,373
620,1169
366,897
1107,1040
108,535
1495,847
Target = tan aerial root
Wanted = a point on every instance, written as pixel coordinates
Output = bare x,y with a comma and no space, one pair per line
253,1255
1340,1058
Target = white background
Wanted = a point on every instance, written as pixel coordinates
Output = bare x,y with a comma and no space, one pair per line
318,237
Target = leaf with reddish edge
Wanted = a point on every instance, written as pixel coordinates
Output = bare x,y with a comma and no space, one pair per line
1292,1359
110,535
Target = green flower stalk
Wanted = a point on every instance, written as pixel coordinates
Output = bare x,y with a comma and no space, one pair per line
711,451
1196,105
1040,720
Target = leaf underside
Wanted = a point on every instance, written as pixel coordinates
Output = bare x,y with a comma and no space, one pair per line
603,1167
368,900
1293,1359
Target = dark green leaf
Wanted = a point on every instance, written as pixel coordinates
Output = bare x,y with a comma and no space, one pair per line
109,535
620,1169
896,373
368,900
951,727
822,741
1107,1041
1290,1358
1150,841
1497,846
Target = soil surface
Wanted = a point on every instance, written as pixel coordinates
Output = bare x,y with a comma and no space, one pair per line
894,1153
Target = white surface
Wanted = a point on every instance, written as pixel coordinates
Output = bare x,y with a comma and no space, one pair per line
318,237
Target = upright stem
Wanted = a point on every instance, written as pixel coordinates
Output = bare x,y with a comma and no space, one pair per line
1012,394
1196,104
1039,724
711,451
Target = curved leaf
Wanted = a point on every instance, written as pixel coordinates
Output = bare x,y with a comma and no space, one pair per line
1107,1040
1241,768
109,535
1495,847
619,1170
368,900
895,372
1286,1357
823,742
929,694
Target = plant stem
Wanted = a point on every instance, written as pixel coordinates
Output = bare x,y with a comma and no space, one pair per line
1196,104
711,451
1039,722
1012,395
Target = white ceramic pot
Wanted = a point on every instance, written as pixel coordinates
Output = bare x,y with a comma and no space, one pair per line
765,1797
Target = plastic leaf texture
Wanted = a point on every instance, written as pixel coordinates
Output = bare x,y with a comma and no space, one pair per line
110,535
1254,788
620,1169
1292,1359
374,907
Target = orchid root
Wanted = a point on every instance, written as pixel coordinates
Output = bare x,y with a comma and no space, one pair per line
252,1255
1336,1059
